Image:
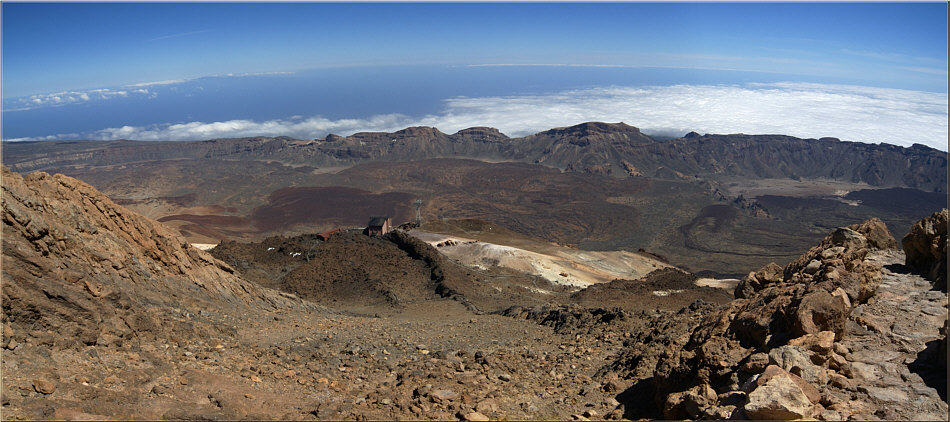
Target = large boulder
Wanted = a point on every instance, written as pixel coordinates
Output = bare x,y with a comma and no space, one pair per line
876,234
779,398
820,311
925,247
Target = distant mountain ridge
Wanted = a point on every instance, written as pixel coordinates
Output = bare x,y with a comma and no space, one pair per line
615,149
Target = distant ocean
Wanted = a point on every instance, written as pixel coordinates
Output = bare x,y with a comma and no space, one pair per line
518,99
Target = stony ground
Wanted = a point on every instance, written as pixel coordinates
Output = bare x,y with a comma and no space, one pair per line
107,315
436,361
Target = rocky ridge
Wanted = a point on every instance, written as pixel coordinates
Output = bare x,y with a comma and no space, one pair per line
840,333
616,149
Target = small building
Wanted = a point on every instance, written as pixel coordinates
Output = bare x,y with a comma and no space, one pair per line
378,226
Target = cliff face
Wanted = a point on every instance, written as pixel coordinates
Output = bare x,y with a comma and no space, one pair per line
774,156
603,148
80,270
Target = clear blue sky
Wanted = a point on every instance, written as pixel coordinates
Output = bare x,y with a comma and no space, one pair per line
51,47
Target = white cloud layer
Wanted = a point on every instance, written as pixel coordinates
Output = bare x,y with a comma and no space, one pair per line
296,127
804,110
850,113
74,97
148,89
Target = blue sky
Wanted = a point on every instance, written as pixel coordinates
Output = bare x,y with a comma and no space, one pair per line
75,49
52,46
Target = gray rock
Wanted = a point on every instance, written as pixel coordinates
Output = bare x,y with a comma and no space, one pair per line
813,266
874,356
797,360
864,371
756,363
925,247
892,394
830,415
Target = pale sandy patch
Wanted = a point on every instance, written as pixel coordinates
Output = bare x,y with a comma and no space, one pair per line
561,265
722,283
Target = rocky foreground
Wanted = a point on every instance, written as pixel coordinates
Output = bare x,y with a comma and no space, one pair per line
108,315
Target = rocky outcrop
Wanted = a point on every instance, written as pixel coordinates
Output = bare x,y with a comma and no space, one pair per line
793,343
750,207
80,270
926,248
482,134
836,263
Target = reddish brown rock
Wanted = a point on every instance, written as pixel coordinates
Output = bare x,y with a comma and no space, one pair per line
57,222
755,281
820,342
876,234
788,317
44,386
820,311
756,363
689,404
443,395
474,416
70,414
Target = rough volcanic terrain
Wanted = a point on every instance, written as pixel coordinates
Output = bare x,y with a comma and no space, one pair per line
110,315
598,186
843,332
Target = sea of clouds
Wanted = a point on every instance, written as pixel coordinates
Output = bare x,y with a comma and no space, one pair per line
805,110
